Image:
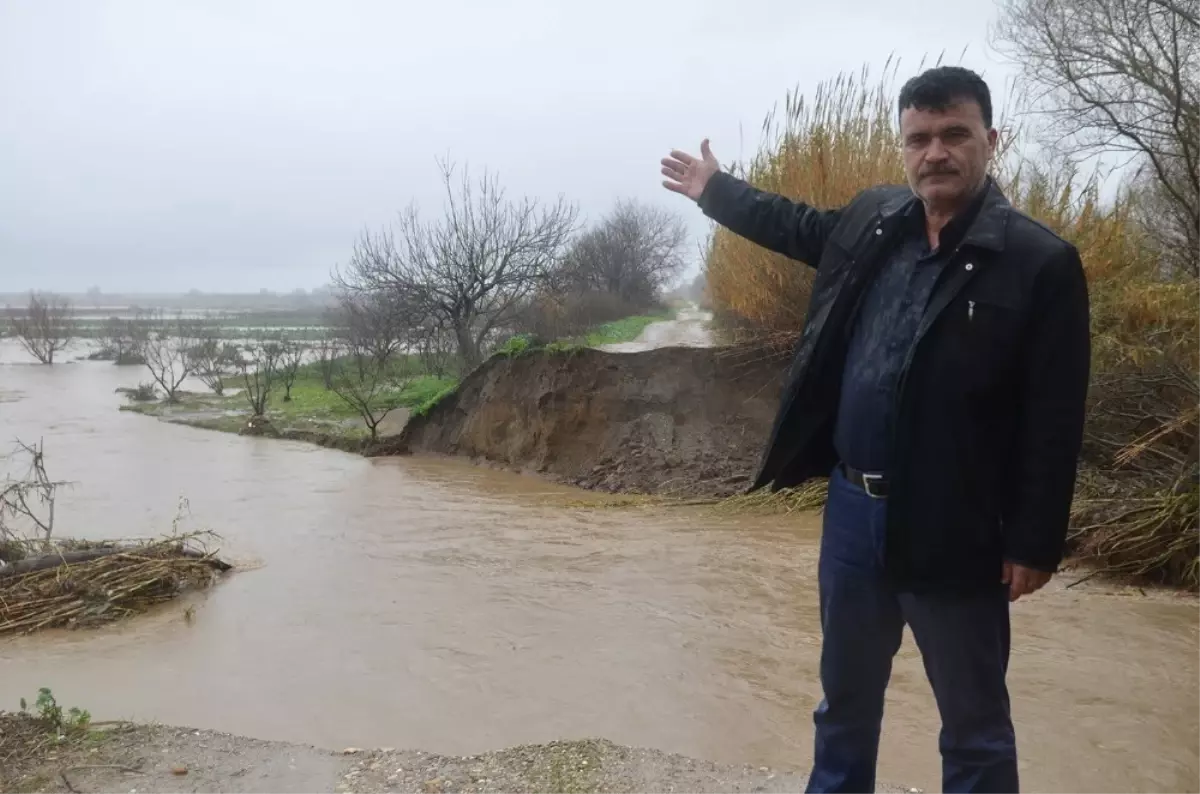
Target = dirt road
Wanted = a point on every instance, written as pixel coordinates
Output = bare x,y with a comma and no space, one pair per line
690,328
166,759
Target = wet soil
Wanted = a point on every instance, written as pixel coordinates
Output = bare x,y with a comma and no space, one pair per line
670,421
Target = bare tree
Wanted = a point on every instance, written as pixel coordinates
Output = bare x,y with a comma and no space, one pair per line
373,323
434,348
259,366
365,379
166,352
28,500
326,350
46,327
291,355
212,360
1119,77
470,269
633,253
364,383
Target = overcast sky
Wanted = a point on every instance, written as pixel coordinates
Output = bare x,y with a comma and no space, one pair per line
177,144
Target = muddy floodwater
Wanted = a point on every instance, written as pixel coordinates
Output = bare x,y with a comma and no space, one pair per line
434,605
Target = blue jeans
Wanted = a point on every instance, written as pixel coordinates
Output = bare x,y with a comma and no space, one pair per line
964,643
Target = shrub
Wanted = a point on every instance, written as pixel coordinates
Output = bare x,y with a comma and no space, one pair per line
560,316
144,393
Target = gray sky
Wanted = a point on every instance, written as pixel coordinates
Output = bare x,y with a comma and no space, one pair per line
239,144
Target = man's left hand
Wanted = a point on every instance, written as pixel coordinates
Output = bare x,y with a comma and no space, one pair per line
1022,580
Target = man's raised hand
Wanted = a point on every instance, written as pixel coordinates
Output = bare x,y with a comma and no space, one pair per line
688,175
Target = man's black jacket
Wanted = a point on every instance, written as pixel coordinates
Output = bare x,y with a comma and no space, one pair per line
990,406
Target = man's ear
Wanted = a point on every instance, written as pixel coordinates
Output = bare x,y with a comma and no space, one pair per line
993,136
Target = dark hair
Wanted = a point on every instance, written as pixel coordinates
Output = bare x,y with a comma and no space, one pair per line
939,88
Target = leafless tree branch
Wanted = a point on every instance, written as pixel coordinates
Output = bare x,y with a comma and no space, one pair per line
29,499
1120,76
468,270
46,327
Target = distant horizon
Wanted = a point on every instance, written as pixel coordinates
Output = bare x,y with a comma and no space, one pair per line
179,293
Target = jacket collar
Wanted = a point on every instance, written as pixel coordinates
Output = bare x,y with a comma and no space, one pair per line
985,231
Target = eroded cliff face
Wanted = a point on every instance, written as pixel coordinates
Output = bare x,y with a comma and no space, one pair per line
671,421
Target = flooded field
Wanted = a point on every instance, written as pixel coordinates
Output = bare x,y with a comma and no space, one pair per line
430,604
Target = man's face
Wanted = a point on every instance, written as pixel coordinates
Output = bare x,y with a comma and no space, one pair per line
946,152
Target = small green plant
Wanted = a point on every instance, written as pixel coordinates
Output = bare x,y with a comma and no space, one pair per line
515,346
48,710
567,346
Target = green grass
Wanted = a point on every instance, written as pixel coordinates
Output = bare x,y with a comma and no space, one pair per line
624,330
311,407
312,401
434,397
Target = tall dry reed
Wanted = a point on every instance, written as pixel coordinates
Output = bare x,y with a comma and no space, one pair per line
825,149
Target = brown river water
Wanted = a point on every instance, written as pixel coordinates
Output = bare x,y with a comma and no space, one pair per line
434,605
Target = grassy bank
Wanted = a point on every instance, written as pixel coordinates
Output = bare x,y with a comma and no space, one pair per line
625,330
312,409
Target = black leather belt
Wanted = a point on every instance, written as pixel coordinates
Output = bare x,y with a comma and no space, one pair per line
876,485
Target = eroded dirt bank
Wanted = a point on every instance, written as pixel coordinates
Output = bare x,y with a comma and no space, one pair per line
682,421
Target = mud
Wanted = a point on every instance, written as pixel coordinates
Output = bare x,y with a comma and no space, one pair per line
671,421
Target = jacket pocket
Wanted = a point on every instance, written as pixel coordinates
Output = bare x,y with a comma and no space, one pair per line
987,333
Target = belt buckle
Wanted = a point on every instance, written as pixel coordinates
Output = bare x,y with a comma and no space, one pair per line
868,479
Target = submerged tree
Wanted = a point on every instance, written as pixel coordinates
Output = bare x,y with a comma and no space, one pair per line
45,327
123,339
167,357
212,361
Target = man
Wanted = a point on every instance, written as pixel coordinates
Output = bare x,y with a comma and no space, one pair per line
940,382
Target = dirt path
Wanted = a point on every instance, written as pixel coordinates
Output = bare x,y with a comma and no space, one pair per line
688,329
165,759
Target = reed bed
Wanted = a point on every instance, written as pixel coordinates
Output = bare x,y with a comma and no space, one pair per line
127,579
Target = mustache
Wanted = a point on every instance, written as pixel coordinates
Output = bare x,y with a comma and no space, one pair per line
939,171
